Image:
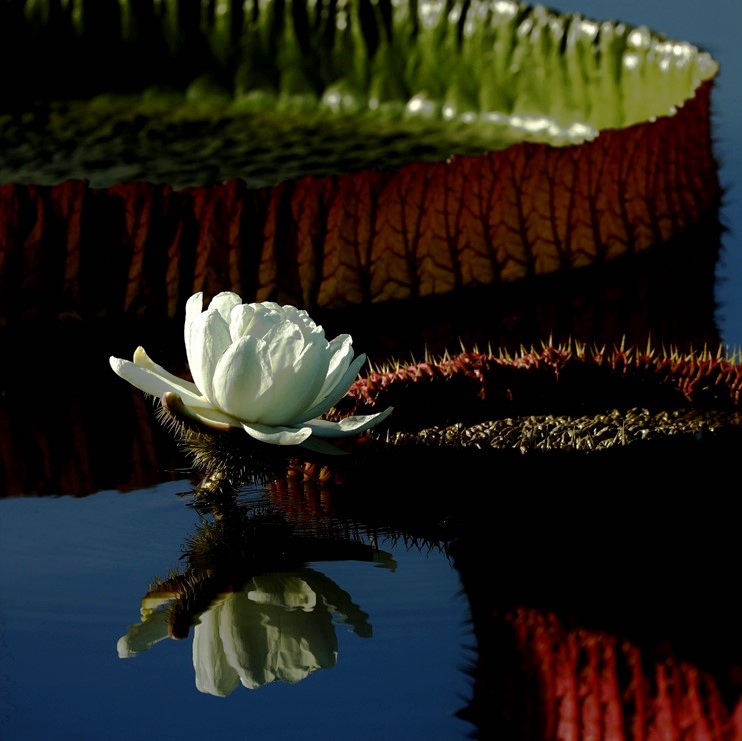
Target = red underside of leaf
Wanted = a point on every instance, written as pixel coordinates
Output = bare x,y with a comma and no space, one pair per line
360,238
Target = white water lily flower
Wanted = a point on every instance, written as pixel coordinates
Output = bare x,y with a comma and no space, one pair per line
263,367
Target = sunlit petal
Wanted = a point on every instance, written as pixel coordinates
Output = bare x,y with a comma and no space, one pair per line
341,355
214,417
151,383
283,346
348,425
301,318
207,342
286,343
277,435
299,366
141,358
193,308
337,393
254,319
224,302
210,417
240,320
242,378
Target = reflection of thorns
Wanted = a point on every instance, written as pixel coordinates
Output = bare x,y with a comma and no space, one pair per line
237,541
192,593
308,502
223,555
305,492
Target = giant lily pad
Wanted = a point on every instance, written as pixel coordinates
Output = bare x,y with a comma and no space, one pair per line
336,154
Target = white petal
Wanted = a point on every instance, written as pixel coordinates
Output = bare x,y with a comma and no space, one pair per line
337,393
254,319
286,343
277,435
249,640
213,418
207,341
193,308
242,380
282,346
283,589
348,425
224,302
239,320
341,355
152,383
299,367
301,318
142,359
268,306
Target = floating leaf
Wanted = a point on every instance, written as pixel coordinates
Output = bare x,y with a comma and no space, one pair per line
544,143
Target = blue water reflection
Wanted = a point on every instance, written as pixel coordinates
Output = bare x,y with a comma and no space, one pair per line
66,602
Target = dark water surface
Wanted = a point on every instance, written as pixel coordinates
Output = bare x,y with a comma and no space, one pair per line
75,571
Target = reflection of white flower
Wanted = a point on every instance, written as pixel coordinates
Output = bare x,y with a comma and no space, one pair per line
263,367
275,629
279,626
142,636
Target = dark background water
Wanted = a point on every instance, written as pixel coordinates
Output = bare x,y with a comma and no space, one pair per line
76,570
